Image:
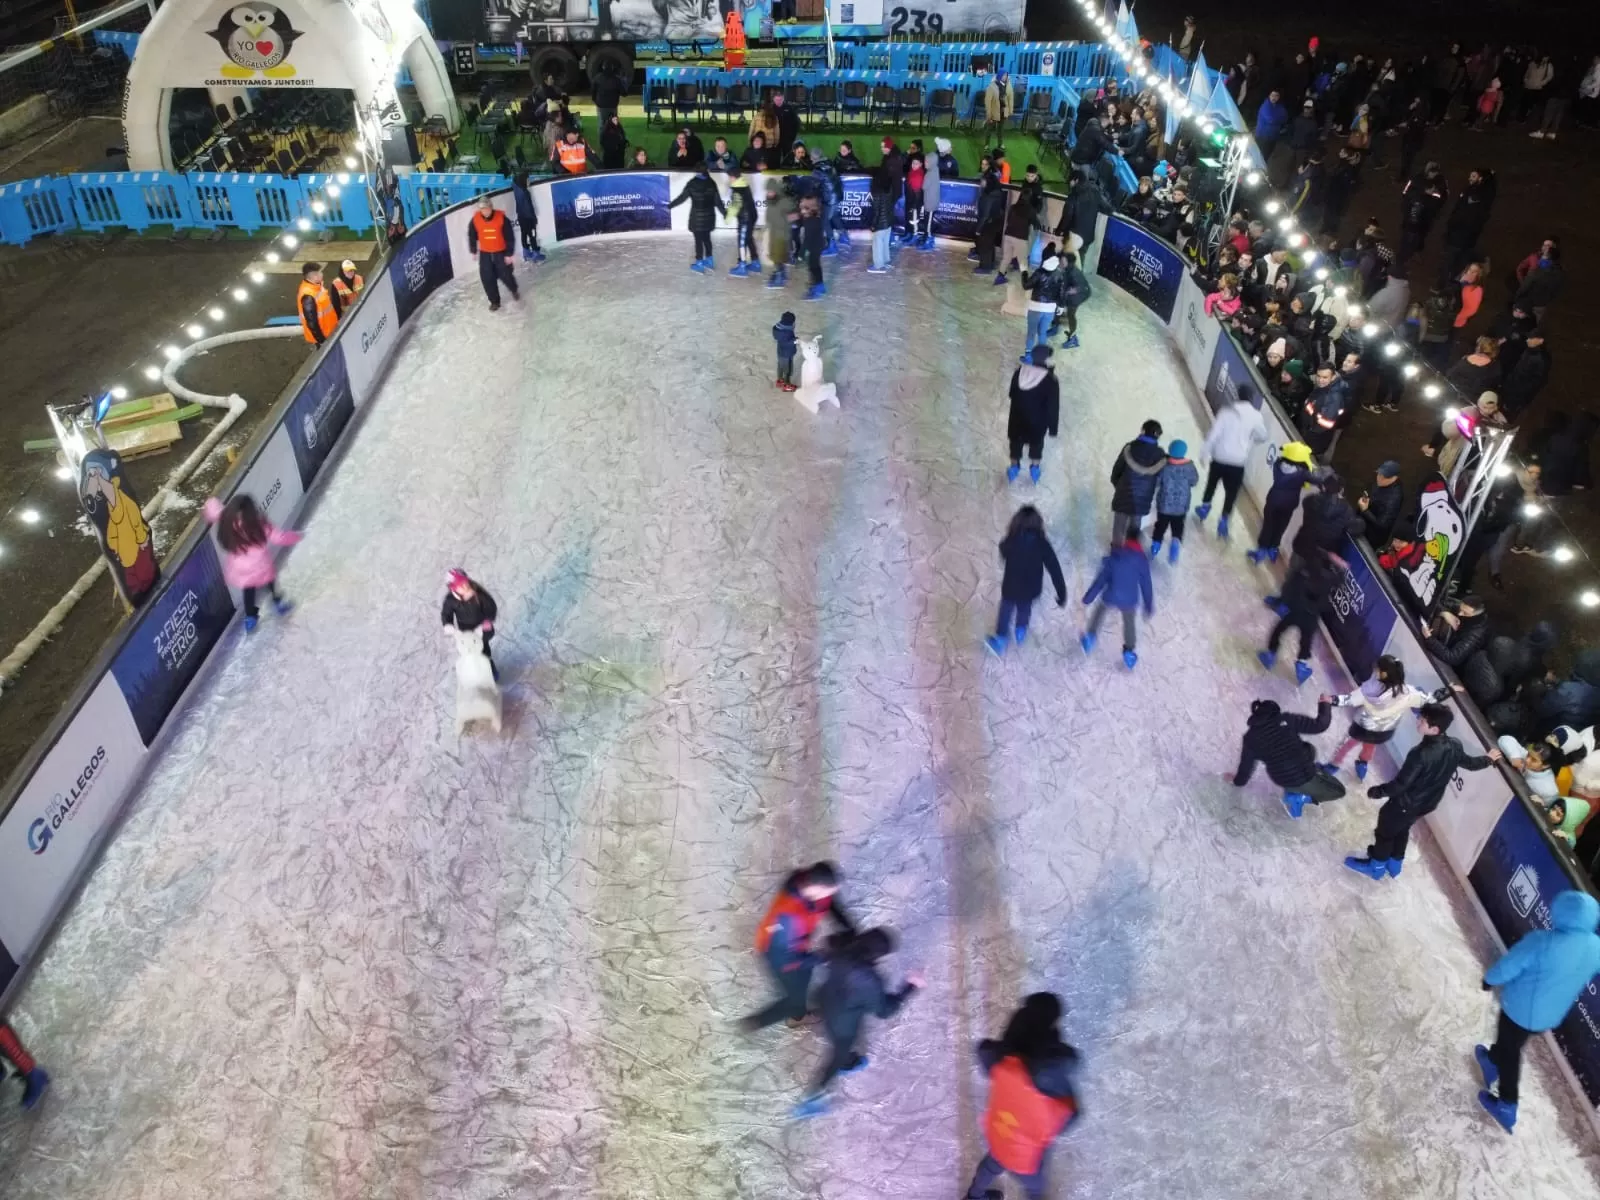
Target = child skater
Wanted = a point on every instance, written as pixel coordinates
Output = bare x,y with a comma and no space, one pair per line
468,606
1290,474
1035,411
1304,600
743,204
1031,1100
34,1077
783,334
1028,554
1123,581
247,538
1380,703
1174,486
783,939
853,991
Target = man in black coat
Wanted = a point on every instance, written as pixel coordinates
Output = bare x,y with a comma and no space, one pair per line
705,203
1415,791
1420,204
1526,379
1080,215
1133,479
606,91
1380,507
1272,737
1467,221
1458,635
991,219
1093,144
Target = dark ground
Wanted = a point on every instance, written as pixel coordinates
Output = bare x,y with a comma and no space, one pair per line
1545,189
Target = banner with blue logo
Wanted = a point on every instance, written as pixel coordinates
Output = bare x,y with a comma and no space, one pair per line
421,264
1230,376
172,639
1516,877
626,202
319,414
957,214
1360,618
1142,265
855,202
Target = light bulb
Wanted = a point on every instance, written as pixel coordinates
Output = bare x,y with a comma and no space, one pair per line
1309,257
303,224
1432,391
152,372
1297,240
1590,598
1253,179
64,474
258,276
350,161
318,207
333,190
1371,331
1286,223
1410,370
1272,206
1322,273
29,516
272,256
195,331
215,313
343,177
1341,291
170,351
1530,511
240,295
1392,350
1354,310
119,392
290,240
1564,554
1450,414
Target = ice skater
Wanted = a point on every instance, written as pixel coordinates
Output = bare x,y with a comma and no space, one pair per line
1415,791
784,940
1233,435
1540,979
705,205
1305,599
916,182
490,237
1380,703
783,334
743,205
852,991
1074,293
1174,487
1290,474
809,240
468,606
247,538
1035,412
1274,738
1031,1098
781,216
1133,480
527,218
1122,583
1027,554
1046,290
35,1080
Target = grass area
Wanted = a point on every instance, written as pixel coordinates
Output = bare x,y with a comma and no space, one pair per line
967,145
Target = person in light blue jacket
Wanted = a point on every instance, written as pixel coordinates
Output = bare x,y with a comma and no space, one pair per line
1540,979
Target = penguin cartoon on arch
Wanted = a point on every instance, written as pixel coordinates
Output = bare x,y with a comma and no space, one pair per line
256,38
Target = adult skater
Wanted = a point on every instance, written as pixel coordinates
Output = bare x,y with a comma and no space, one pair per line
34,1077
1027,554
705,205
743,203
1122,583
1046,290
1074,292
809,231
1035,411
852,991
1031,1100
527,218
1273,737
783,940
933,174
1416,791
781,218
468,606
1305,599
1290,474
1238,428
490,237
1540,979
1133,480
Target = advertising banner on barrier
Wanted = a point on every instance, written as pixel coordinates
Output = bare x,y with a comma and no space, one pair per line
1516,877
172,639
60,816
1361,618
368,337
273,480
855,202
623,203
1195,332
1142,265
957,214
319,414
420,265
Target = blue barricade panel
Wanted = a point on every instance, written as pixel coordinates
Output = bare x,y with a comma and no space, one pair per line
133,200
34,207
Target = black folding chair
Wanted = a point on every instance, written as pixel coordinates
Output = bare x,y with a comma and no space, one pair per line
942,100
1039,108
884,104
798,97
909,100
854,100
825,102
685,99
739,101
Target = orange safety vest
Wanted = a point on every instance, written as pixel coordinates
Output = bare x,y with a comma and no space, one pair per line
348,291
790,905
491,232
1022,1121
326,317
573,157
1005,171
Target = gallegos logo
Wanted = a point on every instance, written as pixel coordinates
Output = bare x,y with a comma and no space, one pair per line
64,806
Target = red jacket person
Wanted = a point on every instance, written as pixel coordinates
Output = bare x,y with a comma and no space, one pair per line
784,939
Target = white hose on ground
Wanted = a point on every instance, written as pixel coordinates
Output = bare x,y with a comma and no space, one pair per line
233,405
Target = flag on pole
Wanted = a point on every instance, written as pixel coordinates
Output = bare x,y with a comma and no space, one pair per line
1126,29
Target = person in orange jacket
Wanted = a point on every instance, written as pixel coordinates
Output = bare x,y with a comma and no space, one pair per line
784,940
1031,1100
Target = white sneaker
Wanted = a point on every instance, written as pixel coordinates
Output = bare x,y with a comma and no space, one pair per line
1549,137
1536,134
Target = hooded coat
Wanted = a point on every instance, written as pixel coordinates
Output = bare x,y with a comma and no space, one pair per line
1272,737
1123,581
1134,474
1032,1040
1541,977
1426,772
851,992
1470,216
705,202
1035,403
1028,554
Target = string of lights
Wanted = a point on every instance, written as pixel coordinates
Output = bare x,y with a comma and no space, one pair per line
1417,372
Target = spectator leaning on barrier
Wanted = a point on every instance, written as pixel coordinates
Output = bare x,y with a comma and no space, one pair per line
1381,504
1456,636
721,158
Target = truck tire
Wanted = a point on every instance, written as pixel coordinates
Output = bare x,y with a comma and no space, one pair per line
619,57
554,60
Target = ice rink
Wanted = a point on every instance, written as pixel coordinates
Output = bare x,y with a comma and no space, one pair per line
337,953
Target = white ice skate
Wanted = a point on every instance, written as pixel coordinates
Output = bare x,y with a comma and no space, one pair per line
477,694
812,392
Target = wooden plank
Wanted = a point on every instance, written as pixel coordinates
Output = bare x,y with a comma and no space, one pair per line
151,436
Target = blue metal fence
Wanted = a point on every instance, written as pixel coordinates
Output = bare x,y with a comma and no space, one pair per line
137,200
422,194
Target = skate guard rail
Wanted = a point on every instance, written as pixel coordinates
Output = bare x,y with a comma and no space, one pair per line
62,803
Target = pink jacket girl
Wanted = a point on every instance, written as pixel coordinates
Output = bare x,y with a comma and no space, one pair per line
247,538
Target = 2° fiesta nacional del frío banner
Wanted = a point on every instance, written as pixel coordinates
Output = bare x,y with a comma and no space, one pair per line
1142,265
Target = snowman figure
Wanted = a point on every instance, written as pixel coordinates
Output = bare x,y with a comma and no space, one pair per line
813,393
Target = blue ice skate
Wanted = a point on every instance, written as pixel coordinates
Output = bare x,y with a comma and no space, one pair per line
1367,867
1087,642
876,270
1276,604
1295,803
858,1063
979,270
815,1106
283,607
1155,548
972,256
1130,659
1173,551
1361,769
996,644
739,270
537,257
1394,866
1071,343
999,279
779,278
1021,634
816,291
1491,1073
1505,1114
250,622
1222,528
830,251
1012,472
1202,511
527,254
1302,671
1267,659
1328,768
698,265
34,1085
1033,472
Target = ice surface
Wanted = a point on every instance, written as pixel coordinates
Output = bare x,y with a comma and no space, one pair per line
336,952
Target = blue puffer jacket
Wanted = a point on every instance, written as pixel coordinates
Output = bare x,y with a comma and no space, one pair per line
1177,481
1542,976
1123,581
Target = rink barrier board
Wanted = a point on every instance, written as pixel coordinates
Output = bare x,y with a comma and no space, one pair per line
67,796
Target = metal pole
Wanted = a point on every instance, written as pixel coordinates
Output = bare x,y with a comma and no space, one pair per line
111,14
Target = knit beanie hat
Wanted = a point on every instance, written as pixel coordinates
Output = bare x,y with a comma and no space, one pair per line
1178,449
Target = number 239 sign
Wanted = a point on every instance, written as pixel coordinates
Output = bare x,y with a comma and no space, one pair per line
989,17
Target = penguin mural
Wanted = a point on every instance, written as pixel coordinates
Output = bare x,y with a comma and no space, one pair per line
256,38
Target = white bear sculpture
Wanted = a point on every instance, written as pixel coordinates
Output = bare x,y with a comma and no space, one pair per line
477,694
812,392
